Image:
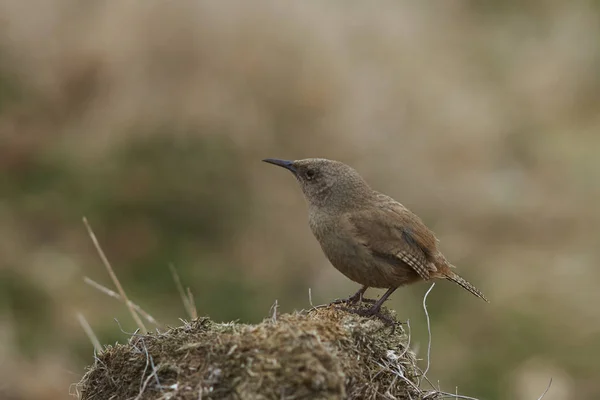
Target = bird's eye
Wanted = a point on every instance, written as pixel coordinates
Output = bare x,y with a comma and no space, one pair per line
310,174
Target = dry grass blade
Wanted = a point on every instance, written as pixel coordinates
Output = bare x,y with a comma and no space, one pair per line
116,295
114,278
89,332
192,304
428,331
446,395
189,308
273,311
545,391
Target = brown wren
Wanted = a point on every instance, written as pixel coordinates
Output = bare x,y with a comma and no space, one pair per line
368,236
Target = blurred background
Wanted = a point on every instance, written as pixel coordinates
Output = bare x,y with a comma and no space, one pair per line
151,118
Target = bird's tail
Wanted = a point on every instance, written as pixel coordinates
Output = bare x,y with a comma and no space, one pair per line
451,276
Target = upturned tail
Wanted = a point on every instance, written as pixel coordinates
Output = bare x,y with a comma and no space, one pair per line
451,276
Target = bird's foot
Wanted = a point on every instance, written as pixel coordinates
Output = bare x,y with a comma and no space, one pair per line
353,300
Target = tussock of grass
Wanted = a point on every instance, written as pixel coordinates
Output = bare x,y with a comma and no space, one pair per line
324,353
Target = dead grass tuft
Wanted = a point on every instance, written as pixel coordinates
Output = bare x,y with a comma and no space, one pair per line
324,353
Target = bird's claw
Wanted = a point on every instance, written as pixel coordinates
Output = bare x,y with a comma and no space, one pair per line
353,300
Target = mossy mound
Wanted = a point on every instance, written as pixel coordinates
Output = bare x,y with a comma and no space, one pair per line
324,353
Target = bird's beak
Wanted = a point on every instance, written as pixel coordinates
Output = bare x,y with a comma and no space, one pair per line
282,163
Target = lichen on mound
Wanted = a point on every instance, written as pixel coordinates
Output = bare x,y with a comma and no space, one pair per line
324,353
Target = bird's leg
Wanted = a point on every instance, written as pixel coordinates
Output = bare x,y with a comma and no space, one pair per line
355,298
377,306
358,296
376,309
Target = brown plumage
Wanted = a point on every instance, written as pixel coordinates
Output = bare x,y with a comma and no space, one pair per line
368,236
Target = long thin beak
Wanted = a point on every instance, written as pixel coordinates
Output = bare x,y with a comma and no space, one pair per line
281,163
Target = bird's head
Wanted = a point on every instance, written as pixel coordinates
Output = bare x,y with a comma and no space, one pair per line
326,182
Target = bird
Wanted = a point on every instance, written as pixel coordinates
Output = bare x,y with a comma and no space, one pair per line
366,235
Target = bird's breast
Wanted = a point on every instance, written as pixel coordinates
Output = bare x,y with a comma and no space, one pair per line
348,255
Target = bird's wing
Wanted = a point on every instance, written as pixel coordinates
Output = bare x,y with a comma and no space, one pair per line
392,232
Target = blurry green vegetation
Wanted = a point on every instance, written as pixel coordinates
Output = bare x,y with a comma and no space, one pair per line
31,307
152,202
10,90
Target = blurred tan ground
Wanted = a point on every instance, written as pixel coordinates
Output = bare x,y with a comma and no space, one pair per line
151,118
